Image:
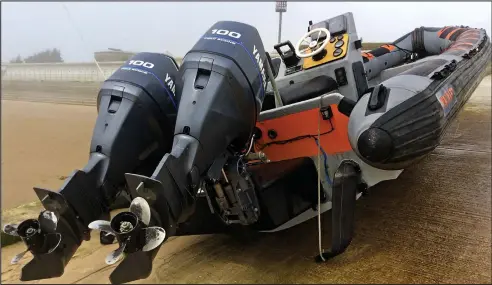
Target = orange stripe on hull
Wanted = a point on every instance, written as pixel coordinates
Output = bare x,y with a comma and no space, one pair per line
304,124
461,45
466,39
464,43
450,34
442,31
389,47
457,48
368,55
469,34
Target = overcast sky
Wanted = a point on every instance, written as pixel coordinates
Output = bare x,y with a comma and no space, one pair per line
170,26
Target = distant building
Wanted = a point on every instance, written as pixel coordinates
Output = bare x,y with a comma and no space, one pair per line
113,54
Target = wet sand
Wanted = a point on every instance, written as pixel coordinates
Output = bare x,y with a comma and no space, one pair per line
432,225
41,144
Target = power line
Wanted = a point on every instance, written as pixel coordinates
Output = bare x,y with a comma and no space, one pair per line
82,39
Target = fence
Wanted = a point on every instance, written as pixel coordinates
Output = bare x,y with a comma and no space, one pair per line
74,72
65,72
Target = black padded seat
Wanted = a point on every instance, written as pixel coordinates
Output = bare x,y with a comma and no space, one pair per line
301,91
276,65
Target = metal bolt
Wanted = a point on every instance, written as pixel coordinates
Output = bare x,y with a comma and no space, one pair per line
126,227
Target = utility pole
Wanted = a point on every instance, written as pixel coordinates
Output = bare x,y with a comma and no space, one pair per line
280,7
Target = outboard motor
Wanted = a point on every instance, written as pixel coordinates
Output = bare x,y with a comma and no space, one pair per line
137,109
222,85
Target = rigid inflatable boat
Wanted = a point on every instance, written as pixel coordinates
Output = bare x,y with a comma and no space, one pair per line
234,140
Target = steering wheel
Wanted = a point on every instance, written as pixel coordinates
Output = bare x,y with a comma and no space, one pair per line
312,44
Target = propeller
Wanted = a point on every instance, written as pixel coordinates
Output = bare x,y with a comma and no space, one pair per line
132,231
38,235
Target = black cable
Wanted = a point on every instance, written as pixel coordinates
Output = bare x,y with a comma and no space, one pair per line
402,49
410,54
282,142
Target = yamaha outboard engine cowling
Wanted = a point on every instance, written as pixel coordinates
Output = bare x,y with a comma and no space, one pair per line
224,81
136,115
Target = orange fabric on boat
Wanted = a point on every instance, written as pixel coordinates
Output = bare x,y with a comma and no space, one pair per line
301,124
454,31
368,55
442,31
389,47
467,39
471,31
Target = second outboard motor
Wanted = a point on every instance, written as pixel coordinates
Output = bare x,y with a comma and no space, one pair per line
137,109
221,90
136,115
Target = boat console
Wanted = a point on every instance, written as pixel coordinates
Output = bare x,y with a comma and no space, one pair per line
327,58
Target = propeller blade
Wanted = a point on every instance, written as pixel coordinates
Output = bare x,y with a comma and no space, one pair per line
141,208
11,229
54,240
154,236
47,221
18,257
101,225
116,255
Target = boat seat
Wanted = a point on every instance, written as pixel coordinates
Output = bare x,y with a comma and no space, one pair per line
276,62
302,91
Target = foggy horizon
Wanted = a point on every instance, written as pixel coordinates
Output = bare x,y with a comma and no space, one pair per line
173,27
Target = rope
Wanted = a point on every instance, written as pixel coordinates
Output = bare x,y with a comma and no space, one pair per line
250,145
320,247
327,176
82,39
